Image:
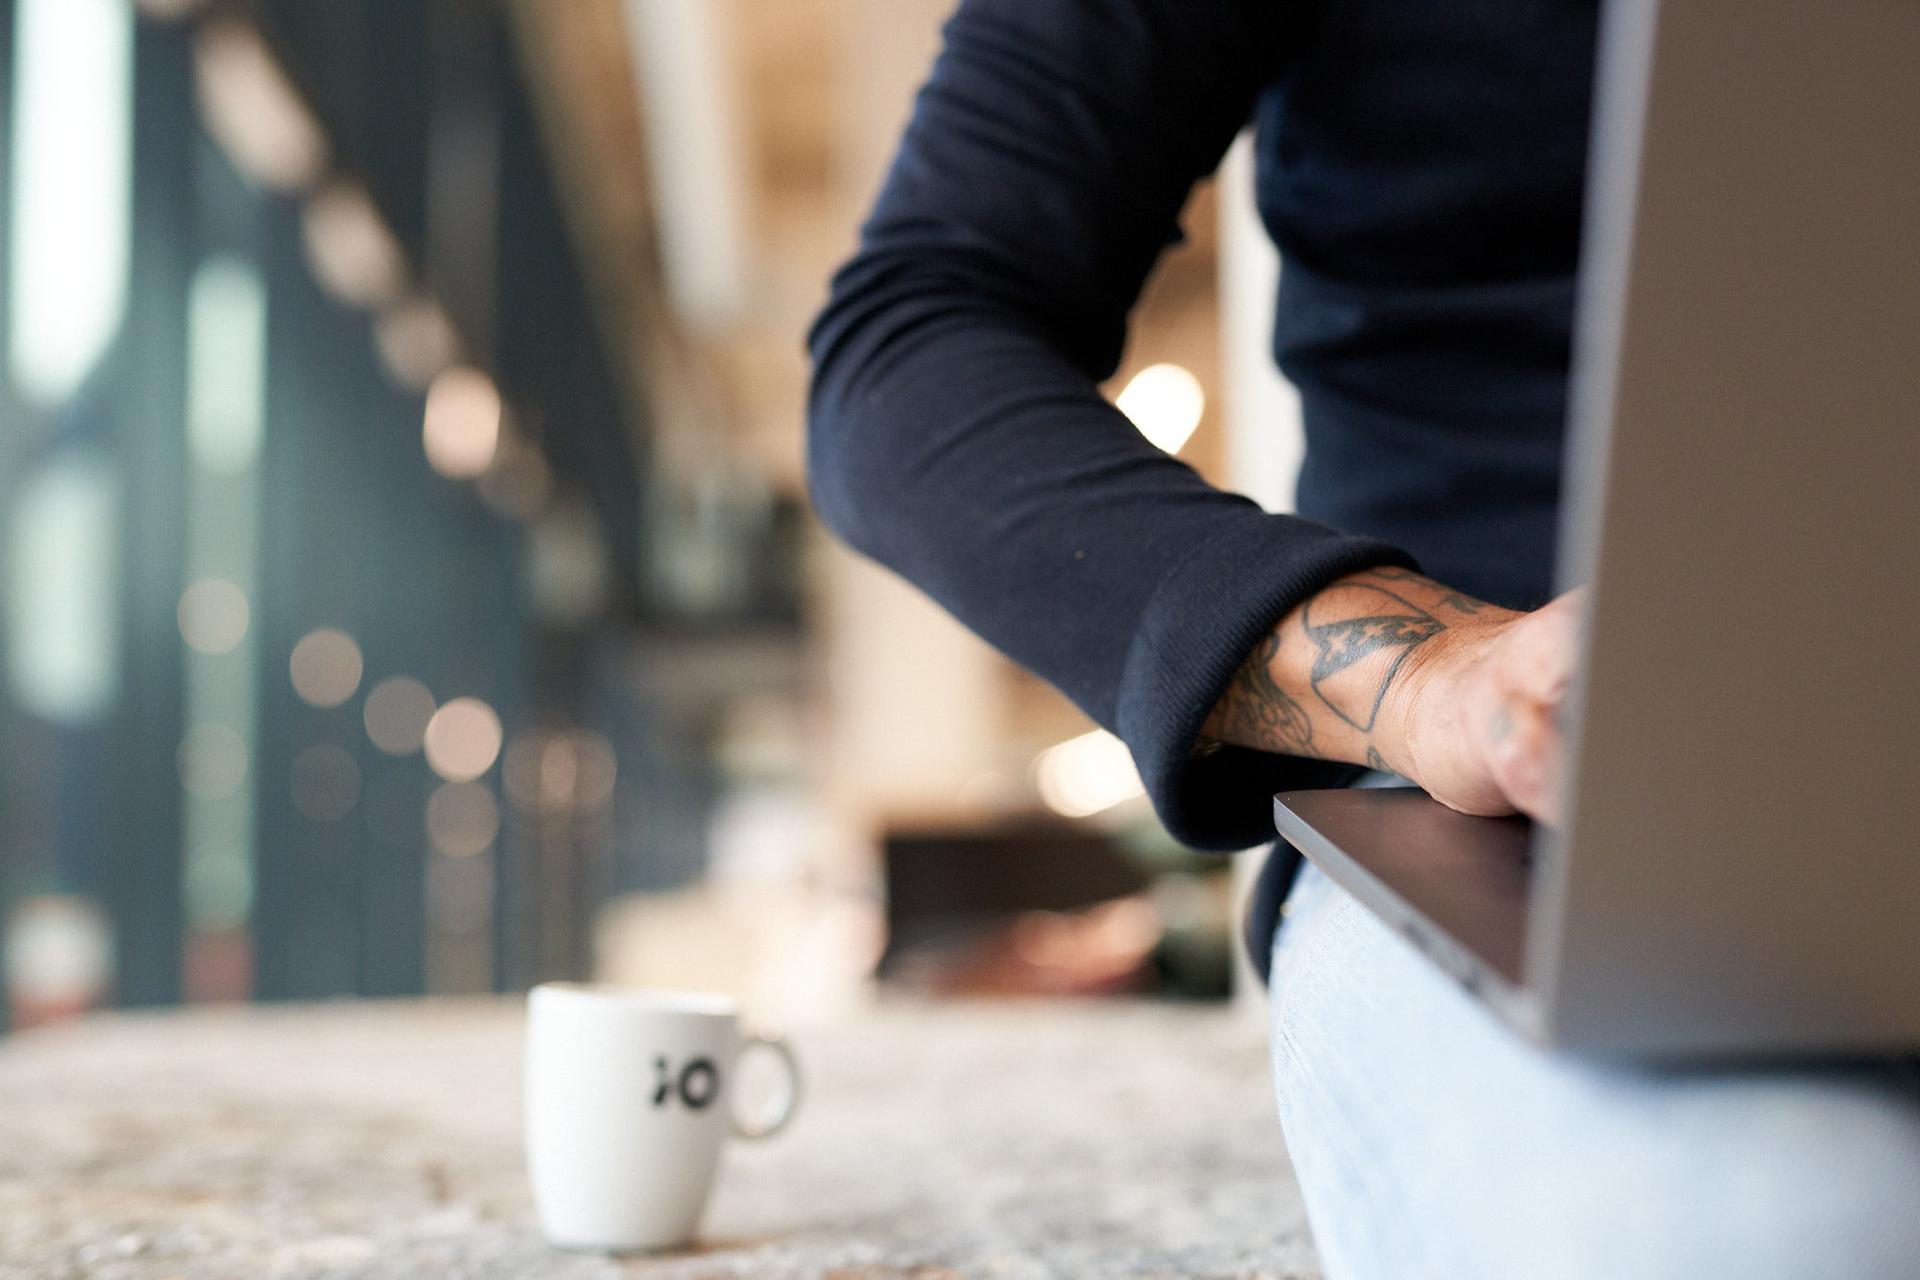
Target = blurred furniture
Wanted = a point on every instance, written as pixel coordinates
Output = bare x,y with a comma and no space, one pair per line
941,880
1017,1139
984,909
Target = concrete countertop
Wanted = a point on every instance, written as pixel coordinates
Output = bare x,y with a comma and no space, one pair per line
372,1140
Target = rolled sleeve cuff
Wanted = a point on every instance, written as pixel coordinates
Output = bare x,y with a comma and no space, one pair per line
1202,621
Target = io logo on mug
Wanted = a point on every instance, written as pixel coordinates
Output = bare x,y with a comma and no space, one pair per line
695,1085
628,1106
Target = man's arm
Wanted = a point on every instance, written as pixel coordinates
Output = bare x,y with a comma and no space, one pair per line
957,432
1393,670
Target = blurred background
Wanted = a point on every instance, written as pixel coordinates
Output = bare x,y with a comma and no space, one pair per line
408,579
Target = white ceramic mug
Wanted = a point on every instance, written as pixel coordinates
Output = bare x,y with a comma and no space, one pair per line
629,1098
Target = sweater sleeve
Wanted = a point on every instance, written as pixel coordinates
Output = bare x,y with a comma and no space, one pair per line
957,433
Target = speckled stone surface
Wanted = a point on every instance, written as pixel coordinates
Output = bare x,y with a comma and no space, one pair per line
373,1141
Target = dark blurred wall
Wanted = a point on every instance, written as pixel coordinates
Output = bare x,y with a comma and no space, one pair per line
236,836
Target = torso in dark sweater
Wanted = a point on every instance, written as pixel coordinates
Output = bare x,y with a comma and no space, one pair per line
1421,168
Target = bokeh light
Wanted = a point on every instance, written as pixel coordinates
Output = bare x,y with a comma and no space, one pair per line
396,715
463,739
1084,775
559,772
461,429
594,768
212,760
253,110
325,667
520,770
213,616
354,255
416,339
1166,402
462,819
555,772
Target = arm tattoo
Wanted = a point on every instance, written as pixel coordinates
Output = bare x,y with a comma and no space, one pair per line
1354,627
1376,761
1261,710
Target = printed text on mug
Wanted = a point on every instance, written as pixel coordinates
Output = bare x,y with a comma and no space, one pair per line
696,1083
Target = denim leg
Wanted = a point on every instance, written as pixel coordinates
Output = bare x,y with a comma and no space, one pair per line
1432,1142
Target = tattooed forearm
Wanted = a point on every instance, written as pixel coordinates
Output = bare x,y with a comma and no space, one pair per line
1362,634
1258,710
1321,683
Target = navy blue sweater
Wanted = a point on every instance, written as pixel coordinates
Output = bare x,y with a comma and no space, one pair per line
1420,164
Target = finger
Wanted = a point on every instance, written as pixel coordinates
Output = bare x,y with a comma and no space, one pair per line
1523,755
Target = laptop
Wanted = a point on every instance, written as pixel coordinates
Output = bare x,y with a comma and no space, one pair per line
1738,868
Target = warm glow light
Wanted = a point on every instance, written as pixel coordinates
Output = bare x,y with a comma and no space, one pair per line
520,770
463,740
1087,774
461,431
416,340
253,110
325,667
354,256
69,188
560,772
213,616
462,819
594,769
1166,403
396,715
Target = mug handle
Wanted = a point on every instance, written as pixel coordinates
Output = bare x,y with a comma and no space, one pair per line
790,1102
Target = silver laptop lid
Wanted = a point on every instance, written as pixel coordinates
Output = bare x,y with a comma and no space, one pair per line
1744,484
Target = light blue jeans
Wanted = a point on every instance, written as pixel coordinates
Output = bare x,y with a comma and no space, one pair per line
1431,1142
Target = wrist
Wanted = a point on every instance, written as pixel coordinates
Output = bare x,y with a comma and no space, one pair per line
1405,712
1425,708
1359,672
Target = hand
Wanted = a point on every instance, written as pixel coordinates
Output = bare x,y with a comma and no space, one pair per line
1394,670
1482,712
